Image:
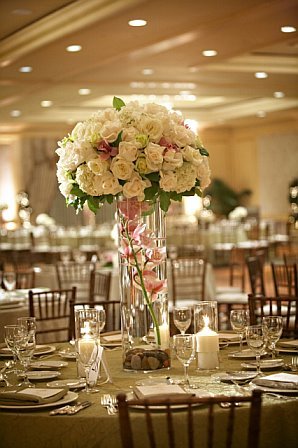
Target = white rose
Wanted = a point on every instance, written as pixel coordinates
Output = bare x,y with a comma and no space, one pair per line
151,127
73,154
129,134
186,177
99,166
65,188
110,184
154,156
192,155
181,136
86,180
122,169
172,159
110,130
168,181
155,109
204,173
135,187
89,130
128,151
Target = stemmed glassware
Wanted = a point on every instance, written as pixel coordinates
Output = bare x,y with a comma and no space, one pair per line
239,321
273,331
25,344
256,340
185,349
182,318
9,280
87,350
9,337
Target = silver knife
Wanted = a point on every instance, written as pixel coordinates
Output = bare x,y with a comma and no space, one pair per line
70,410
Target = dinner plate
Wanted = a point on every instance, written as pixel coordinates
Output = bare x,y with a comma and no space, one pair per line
38,375
265,364
48,365
245,354
72,383
68,354
229,377
276,391
5,352
68,398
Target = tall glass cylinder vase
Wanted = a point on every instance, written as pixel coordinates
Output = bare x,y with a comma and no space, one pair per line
143,285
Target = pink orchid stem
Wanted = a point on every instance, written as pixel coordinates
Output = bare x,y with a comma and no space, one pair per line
148,302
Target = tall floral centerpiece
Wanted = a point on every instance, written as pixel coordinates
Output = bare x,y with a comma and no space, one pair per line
144,157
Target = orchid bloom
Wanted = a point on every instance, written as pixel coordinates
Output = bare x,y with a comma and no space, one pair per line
106,151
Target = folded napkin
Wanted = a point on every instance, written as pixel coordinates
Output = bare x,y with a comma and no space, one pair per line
158,391
283,381
30,396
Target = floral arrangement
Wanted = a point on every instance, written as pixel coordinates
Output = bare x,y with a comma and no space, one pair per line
133,150
238,213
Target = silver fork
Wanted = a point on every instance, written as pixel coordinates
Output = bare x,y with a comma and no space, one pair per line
294,363
109,402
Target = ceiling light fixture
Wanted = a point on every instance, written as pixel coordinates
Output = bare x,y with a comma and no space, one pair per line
84,91
209,53
137,22
73,48
288,29
15,113
147,71
278,94
261,75
46,103
25,69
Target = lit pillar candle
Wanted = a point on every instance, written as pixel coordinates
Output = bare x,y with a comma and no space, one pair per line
164,336
207,347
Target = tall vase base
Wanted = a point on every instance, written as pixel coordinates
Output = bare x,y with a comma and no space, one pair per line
142,359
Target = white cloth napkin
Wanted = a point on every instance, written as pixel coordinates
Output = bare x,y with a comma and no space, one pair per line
284,381
31,396
158,390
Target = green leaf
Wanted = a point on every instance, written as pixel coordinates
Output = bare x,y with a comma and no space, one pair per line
93,204
76,191
117,141
203,151
154,177
118,103
165,200
176,196
151,192
109,198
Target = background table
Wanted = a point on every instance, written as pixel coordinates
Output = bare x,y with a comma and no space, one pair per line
93,428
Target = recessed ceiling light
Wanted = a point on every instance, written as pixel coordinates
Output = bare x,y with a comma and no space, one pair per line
278,94
25,69
209,53
84,91
147,71
288,29
193,69
73,48
21,12
15,113
46,103
261,114
137,22
261,75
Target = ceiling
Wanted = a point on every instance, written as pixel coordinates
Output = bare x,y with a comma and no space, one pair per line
216,91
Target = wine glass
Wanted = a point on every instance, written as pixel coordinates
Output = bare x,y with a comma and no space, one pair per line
9,280
24,340
273,330
87,350
185,349
256,340
182,318
9,337
239,320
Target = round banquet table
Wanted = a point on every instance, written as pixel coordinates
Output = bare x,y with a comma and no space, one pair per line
94,428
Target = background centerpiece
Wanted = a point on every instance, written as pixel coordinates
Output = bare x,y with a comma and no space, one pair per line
145,157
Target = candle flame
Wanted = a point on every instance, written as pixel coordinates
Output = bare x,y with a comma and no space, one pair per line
206,321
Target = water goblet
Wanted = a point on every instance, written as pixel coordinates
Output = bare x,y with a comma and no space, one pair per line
185,349
239,320
9,280
273,331
24,340
9,337
256,340
182,318
87,350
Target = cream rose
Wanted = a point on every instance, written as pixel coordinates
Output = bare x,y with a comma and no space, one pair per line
87,181
192,155
122,169
151,127
135,187
186,177
168,181
141,165
154,156
98,166
110,130
128,151
172,160
110,184
73,154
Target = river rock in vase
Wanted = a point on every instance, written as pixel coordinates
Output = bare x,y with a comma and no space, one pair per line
143,285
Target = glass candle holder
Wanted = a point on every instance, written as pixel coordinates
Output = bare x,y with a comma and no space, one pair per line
207,339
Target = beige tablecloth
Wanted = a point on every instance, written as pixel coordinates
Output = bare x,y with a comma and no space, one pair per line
93,428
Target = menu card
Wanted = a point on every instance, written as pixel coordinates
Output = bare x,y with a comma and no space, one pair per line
158,390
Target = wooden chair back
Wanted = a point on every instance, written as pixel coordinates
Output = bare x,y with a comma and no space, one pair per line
111,307
100,285
256,275
52,312
285,279
76,274
285,306
200,429
188,279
